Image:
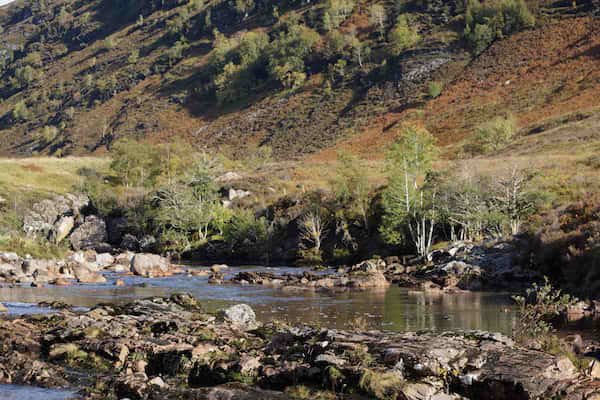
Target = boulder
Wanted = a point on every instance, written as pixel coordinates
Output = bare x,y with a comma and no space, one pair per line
149,265
90,234
240,314
218,267
62,228
105,259
238,194
10,258
116,228
84,275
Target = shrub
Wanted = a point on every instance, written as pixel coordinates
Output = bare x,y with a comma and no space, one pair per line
537,308
20,112
494,19
434,89
497,133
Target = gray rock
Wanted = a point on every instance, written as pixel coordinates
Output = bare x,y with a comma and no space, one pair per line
149,265
62,228
329,359
241,314
85,275
44,214
104,259
11,258
90,234
228,177
238,194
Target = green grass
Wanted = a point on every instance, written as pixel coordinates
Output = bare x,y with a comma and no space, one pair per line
35,247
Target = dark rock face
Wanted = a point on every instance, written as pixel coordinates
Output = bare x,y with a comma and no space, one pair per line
168,348
91,234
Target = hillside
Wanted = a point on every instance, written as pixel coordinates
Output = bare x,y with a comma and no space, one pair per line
83,75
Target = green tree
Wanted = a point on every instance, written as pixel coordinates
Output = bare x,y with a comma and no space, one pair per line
20,112
490,20
402,36
352,187
133,56
137,164
410,199
287,53
497,133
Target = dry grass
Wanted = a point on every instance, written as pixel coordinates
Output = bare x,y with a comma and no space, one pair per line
45,175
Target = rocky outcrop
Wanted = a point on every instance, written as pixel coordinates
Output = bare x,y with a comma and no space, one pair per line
62,228
43,215
89,235
168,348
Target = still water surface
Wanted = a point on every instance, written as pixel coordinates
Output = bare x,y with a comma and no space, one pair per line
395,308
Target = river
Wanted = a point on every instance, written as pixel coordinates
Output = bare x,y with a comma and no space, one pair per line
394,308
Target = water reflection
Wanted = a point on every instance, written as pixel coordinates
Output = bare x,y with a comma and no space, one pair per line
394,308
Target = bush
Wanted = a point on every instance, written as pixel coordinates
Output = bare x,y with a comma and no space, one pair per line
20,112
434,89
494,19
540,305
497,133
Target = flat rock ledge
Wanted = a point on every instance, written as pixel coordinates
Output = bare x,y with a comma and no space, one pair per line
169,348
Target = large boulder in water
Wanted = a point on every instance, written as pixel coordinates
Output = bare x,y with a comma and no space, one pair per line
86,275
149,265
90,234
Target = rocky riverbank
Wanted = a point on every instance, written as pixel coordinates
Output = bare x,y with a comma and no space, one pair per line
169,348
82,267
459,267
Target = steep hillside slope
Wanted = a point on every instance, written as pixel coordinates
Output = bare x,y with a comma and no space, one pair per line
78,76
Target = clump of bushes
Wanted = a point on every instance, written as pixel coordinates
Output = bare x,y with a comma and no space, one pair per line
494,19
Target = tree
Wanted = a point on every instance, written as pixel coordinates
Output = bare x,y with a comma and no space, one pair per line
135,163
497,133
313,228
352,187
243,7
402,36
20,112
360,51
513,200
410,200
378,17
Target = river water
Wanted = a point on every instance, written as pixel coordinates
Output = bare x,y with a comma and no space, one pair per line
395,308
